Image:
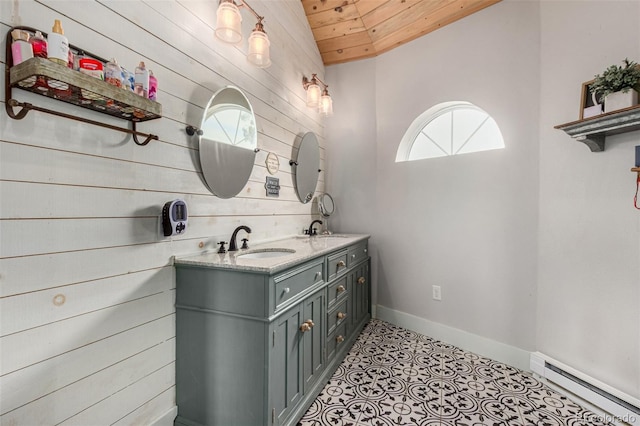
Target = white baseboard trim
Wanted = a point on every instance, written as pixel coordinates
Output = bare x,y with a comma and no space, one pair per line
493,349
167,418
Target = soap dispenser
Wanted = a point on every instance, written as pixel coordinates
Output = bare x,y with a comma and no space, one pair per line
58,45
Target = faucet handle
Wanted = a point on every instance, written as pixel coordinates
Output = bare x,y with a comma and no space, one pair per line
244,243
222,249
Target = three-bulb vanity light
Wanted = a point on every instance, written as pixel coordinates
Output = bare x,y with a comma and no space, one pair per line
317,97
228,29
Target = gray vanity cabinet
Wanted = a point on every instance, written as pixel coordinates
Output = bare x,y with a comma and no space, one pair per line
361,294
256,348
296,355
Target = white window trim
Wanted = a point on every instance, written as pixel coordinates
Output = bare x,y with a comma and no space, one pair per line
416,127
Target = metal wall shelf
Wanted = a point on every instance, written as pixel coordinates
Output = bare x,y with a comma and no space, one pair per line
46,78
593,131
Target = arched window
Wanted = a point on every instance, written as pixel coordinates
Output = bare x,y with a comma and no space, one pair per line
449,128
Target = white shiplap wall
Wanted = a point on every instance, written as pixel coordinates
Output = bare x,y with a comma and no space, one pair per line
87,331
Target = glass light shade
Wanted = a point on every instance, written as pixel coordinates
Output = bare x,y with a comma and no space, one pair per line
259,49
326,105
228,21
313,95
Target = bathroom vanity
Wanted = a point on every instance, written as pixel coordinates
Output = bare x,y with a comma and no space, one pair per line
260,331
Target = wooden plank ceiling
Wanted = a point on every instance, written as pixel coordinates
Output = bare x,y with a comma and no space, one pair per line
347,30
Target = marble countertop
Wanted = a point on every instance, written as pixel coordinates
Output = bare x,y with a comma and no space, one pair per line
305,248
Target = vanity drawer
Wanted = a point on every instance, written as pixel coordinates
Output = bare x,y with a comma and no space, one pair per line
337,316
358,254
289,284
336,264
336,290
336,340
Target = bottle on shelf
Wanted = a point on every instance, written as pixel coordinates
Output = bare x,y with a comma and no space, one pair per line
39,45
153,87
142,80
113,73
128,80
20,48
58,45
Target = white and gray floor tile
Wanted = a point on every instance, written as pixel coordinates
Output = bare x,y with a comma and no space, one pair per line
393,376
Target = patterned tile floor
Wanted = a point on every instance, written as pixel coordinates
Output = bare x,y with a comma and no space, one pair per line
393,376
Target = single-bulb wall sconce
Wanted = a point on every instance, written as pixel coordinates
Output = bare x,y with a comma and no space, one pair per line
228,29
317,97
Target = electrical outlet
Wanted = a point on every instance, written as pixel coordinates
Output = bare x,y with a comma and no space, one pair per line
437,292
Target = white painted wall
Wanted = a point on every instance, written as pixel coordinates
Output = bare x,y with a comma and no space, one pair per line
465,223
79,205
351,162
536,246
589,284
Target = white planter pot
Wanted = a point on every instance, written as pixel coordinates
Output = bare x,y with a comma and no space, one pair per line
620,100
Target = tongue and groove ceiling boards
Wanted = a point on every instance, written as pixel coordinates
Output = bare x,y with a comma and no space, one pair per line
348,30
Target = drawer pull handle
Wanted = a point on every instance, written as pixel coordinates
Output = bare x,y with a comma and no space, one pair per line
310,323
362,280
305,327
341,264
318,275
340,339
353,256
342,315
340,289
286,290
365,250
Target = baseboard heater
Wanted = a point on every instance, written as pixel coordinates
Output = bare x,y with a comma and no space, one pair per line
617,407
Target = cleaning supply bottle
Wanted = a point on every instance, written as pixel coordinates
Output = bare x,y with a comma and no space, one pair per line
153,87
38,45
58,45
20,48
142,80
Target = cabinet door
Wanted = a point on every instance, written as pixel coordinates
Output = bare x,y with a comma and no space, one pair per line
285,359
361,289
313,338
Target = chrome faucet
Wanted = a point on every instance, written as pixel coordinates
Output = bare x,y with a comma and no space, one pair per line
232,242
312,231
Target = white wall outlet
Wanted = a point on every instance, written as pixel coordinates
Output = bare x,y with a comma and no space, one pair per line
437,292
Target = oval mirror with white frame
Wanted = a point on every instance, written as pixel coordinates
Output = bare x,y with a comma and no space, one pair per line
228,143
306,167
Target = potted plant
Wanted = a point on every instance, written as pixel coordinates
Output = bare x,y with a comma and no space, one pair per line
618,85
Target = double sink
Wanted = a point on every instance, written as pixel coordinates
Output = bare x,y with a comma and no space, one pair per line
271,257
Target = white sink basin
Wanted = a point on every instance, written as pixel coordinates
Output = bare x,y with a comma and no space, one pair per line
265,253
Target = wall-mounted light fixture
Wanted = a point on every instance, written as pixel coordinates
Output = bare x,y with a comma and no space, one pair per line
317,97
228,29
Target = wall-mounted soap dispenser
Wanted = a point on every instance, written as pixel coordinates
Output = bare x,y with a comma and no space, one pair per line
174,218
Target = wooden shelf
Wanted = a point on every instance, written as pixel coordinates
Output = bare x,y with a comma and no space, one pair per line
593,131
44,77
55,81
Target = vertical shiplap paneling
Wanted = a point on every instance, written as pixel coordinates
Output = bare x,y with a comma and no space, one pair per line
87,324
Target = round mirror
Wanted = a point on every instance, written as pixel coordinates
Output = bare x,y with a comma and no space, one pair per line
228,142
307,167
326,205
